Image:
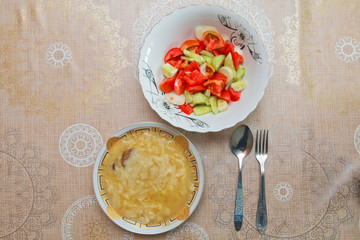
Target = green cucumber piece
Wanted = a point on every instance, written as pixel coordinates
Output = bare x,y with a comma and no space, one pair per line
188,97
238,85
168,70
199,98
214,104
207,53
217,61
201,110
229,61
207,58
194,56
207,93
222,105
240,71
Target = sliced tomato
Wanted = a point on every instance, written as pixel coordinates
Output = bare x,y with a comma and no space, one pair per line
173,53
226,96
220,76
186,108
192,67
228,49
167,84
192,45
210,70
196,88
183,65
216,52
215,86
237,59
234,95
179,85
213,40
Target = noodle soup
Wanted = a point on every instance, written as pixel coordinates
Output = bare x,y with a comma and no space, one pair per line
147,177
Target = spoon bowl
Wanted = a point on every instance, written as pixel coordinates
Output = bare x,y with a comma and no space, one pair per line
241,144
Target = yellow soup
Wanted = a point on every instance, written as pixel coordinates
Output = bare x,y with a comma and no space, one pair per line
147,177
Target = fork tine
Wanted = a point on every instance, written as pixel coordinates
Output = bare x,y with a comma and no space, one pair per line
256,142
267,137
263,141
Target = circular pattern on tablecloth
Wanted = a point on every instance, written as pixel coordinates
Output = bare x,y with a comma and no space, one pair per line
27,194
188,230
152,14
283,191
85,220
347,49
55,69
79,145
357,139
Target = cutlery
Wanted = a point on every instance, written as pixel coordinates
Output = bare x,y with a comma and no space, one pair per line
261,154
241,145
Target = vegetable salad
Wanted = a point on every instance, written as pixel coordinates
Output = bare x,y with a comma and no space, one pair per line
204,75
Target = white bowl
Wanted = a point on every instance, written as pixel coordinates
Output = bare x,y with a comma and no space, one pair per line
194,161
179,26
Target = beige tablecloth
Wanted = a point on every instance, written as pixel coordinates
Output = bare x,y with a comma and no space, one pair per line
68,82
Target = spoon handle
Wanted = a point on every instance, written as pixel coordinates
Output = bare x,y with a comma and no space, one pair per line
238,218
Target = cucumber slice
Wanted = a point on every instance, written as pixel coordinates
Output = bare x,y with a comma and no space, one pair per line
229,61
207,93
240,71
207,58
199,98
217,61
188,97
239,85
207,53
228,72
199,31
194,56
201,110
222,105
168,70
214,104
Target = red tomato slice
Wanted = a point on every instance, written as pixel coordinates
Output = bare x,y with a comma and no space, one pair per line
186,108
191,45
234,95
229,49
213,40
196,78
172,53
192,67
216,52
210,70
219,76
215,86
179,85
196,88
226,96
237,59
167,84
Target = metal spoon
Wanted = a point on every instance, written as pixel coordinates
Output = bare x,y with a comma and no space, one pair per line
241,145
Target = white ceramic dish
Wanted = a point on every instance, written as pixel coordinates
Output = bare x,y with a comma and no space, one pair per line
193,160
179,26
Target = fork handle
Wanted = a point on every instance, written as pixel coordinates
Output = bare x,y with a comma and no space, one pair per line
238,217
261,215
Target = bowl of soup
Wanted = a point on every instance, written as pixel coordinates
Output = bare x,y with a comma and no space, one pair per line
148,178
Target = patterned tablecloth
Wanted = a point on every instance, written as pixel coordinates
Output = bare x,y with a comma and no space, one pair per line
68,81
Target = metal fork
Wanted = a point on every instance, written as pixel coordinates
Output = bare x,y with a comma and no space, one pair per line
261,154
